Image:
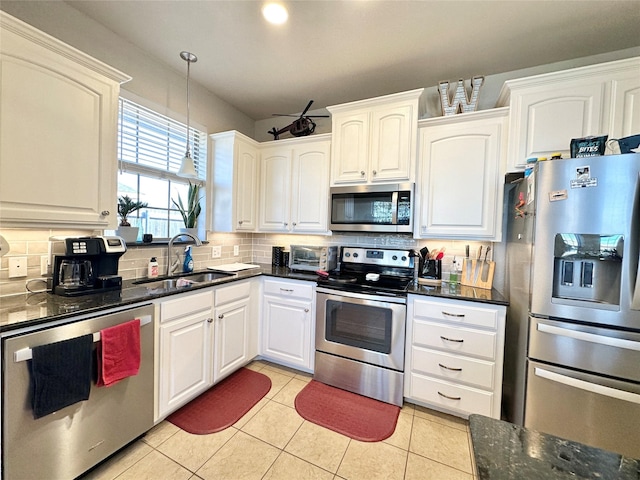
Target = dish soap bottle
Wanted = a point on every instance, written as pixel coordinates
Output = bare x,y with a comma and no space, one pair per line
153,268
187,266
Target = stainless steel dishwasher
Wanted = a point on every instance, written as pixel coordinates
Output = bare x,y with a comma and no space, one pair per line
66,443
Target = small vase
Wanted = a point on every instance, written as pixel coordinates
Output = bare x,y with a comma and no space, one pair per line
128,234
193,231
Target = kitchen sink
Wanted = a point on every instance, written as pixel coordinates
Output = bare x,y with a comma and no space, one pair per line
183,281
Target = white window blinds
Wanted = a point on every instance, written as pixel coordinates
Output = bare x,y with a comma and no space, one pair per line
149,141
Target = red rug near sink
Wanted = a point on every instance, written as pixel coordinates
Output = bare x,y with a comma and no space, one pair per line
223,404
355,416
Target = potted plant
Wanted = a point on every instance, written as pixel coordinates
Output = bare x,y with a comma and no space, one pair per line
191,209
126,206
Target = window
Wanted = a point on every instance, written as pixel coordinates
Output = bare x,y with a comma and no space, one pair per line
150,150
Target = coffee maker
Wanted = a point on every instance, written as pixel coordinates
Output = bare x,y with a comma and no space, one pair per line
89,265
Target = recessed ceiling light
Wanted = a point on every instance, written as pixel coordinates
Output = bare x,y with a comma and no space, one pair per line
275,13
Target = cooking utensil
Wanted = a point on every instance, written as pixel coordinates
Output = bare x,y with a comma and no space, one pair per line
477,266
485,266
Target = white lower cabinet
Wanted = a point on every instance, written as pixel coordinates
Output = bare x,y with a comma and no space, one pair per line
454,355
185,349
232,320
288,312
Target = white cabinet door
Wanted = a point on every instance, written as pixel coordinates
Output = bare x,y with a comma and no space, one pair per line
235,181
350,147
461,171
185,360
286,331
625,115
392,143
275,189
310,183
246,187
374,140
58,111
231,337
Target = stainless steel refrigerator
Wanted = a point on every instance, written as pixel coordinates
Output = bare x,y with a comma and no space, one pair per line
572,346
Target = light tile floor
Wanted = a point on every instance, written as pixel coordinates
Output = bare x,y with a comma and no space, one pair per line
273,442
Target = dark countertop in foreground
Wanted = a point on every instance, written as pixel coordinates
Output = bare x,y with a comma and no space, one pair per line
504,451
28,309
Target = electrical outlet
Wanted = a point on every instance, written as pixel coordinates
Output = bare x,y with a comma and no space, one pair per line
216,251
44,265
236,250
17,267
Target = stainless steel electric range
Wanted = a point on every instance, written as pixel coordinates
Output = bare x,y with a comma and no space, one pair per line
360,322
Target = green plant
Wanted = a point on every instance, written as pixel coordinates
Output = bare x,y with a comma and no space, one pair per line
192,209
126,206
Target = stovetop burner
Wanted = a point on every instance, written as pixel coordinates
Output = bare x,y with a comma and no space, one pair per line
394,268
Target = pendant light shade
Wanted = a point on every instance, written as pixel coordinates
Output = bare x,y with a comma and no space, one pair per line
187,167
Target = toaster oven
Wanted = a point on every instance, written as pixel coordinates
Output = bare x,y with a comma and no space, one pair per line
312,258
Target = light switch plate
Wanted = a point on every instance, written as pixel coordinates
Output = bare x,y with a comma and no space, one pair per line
17,267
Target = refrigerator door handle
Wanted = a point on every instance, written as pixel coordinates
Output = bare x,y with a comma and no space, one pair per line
587,386
589,337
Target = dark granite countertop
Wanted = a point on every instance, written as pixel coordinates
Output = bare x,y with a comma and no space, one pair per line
504,451
28,309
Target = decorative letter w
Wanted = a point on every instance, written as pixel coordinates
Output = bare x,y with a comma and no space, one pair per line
460,101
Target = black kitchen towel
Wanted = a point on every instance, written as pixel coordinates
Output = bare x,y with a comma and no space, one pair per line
61,374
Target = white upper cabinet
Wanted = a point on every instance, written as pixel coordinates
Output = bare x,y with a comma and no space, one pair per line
294,185
59,117
235,182
461,167
374,140
549,110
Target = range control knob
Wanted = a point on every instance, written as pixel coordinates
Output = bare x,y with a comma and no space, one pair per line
355,255
394,258
404,259
347,254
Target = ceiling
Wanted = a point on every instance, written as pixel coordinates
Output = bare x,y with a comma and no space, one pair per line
340,51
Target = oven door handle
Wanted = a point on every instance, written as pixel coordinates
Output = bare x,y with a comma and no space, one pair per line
587,386
589,337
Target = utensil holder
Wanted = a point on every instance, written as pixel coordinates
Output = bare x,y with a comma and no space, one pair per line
432,269
276,256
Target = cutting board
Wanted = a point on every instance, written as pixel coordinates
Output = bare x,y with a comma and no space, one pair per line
477,273
233,267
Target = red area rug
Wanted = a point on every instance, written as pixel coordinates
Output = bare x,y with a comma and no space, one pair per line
223,404
355,416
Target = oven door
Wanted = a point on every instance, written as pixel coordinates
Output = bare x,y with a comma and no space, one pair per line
367,328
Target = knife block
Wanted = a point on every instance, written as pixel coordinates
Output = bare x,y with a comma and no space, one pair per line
473,272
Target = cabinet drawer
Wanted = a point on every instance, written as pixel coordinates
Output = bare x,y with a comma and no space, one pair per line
458,312
461,340
185,305
289,289
232,292
451,396
456,368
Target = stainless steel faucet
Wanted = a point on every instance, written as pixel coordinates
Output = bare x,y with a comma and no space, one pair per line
171,268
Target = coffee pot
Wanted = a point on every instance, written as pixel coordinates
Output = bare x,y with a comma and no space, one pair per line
75,273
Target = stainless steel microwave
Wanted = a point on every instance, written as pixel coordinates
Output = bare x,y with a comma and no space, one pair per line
372,208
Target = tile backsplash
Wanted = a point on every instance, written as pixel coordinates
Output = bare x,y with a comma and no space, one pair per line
252,248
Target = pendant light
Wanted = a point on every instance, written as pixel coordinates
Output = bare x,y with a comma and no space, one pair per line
187,168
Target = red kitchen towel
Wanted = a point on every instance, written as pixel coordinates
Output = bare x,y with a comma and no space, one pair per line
118,353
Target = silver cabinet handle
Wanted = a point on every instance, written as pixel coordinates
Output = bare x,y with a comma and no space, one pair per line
221,316
449,368
285,224
375,173
452,339
362,173
239,222
105,213
455,315
286,289
306,310
209,320
447,396
294,224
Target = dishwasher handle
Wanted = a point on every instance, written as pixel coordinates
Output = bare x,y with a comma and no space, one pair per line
27,354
